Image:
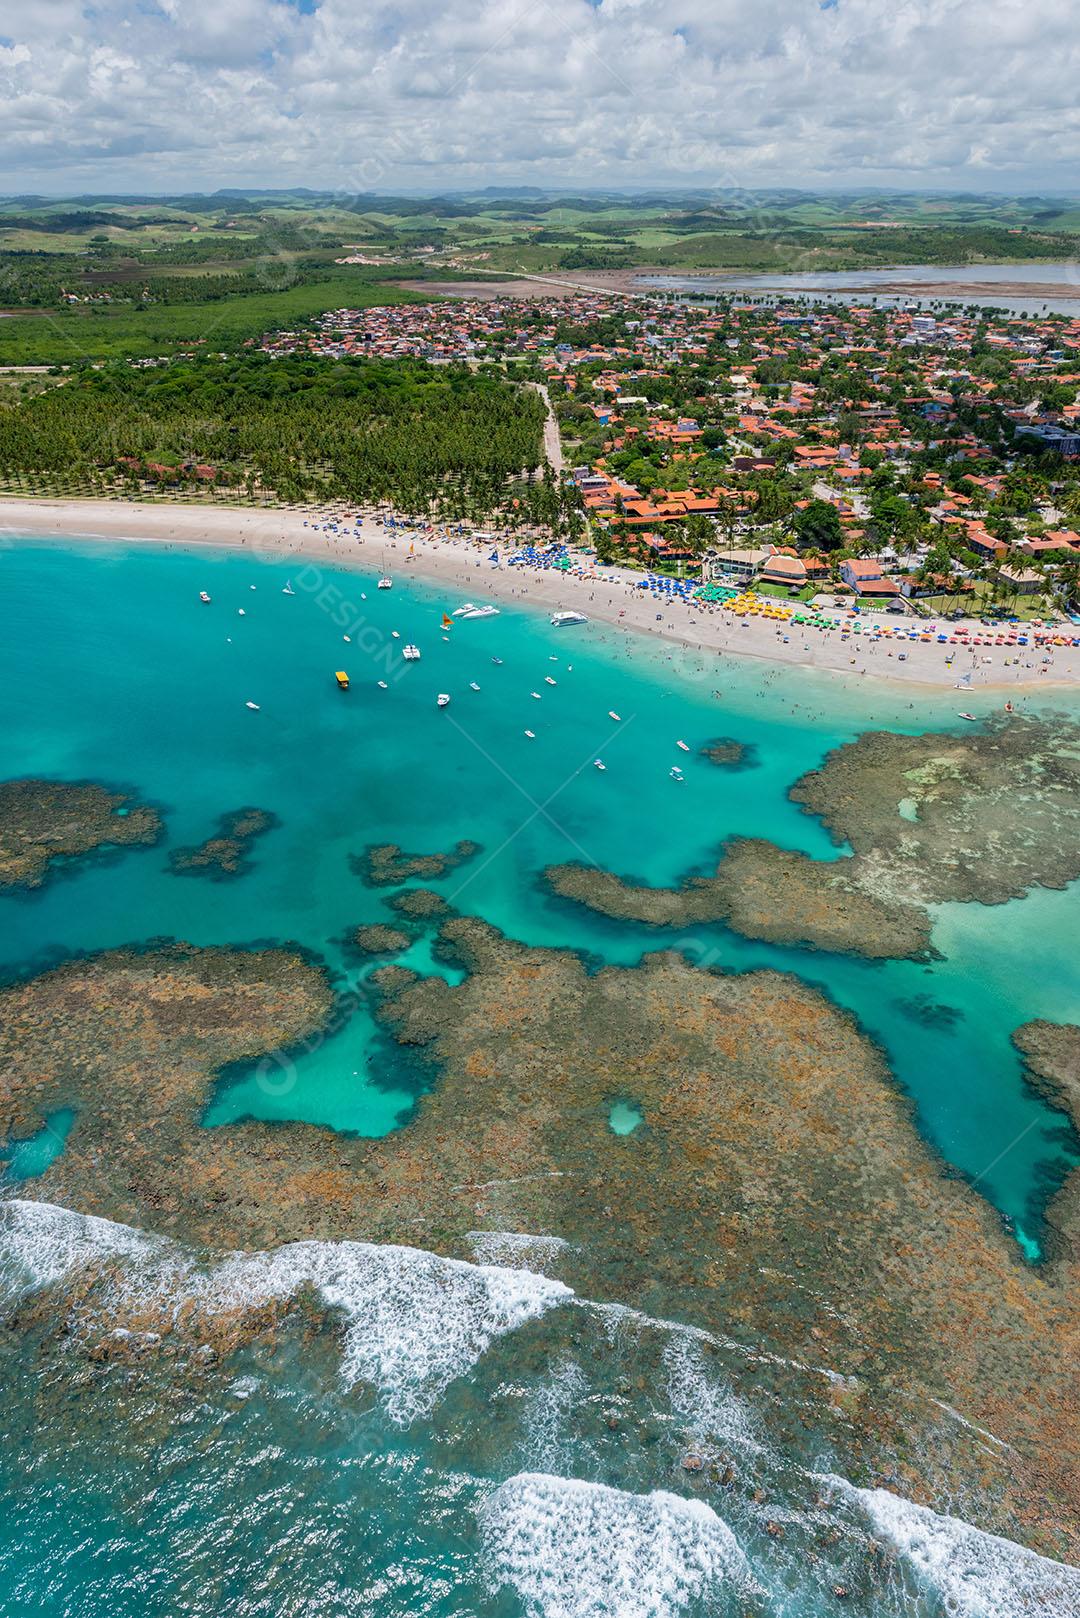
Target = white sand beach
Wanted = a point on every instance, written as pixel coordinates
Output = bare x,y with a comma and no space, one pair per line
462,565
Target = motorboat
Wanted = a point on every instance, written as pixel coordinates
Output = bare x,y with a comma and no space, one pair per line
970,716
683,745
559,620
598,764
254,706
383,686
386,584
548,680
531,734
442,700
469,611
411,653
613,715
342,679
497,660
395,634
473,686
535,694
204,598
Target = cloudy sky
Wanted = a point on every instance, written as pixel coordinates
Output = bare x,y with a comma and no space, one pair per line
358,95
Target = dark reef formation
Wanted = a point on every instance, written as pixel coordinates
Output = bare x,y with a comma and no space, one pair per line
729,754
980,817
420,904
43,821
778,1194
379,939
763,892
227,852
384,865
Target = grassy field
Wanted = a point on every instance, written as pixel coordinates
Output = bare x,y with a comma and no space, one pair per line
71,336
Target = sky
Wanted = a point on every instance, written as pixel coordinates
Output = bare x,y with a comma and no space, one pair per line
356,95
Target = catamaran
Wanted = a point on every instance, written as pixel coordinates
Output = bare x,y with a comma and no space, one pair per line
559,620
411,653
386,584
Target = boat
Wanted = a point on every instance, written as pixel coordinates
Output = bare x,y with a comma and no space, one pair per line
548,680
241,612
411,653
386,584
383,686
531,734
613,715
252,705
473,686
447,621
535,694
559,620
442,700
395,634
598,764
683,746
676,774
288,590
204,597
469,611
342,679
497,660
970,716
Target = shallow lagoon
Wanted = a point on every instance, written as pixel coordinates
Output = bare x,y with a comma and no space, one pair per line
115,671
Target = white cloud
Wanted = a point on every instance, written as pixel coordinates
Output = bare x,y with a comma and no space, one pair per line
164,94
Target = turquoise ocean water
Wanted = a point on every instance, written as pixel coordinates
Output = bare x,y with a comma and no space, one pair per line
112,669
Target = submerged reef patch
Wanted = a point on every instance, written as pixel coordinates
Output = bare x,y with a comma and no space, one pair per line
379,939
419,903
780,1196
44,821
383,865
730,754
226,853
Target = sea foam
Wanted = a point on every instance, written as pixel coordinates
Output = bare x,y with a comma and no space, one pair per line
973,1574
412,1321
581,1550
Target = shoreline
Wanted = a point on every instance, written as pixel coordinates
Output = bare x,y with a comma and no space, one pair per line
461,565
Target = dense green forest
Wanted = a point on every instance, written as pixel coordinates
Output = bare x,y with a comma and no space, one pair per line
421,436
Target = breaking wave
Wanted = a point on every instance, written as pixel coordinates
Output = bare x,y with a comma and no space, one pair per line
582,1550
413,1322
973,1574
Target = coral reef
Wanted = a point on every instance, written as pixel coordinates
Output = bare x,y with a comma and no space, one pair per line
384,865
45,821
227,852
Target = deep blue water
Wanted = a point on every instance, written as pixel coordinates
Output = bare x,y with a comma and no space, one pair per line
111,669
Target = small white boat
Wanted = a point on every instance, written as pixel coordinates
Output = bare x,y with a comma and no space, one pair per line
613,715
288,590
473,686
598,764
970,716
395,634
411,653
252,705
204,597
559,620
535,694
251,587
383,686
348,638
442,700
548,680
531,734
386,584
241,613
497,660
676,773
683,746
